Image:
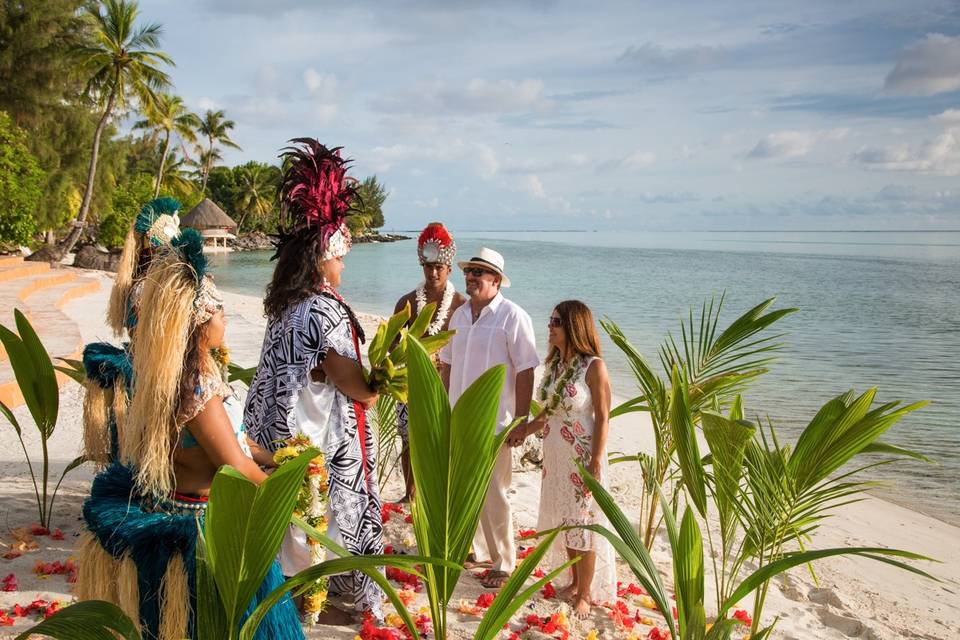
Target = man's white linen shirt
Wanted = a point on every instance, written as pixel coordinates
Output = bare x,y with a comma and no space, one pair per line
503,334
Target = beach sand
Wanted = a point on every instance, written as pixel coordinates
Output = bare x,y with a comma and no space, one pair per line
852,597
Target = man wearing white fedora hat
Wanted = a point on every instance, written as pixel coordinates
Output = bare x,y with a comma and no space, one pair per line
492,330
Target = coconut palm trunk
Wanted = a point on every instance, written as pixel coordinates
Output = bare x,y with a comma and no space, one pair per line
163,163
79,223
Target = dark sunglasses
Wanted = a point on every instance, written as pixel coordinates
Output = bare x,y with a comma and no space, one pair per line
554,321
476,272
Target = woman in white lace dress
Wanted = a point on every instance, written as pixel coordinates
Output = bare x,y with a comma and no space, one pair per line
575,394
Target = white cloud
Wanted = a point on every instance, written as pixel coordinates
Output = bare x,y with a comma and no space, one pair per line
941,156
205,103
534,187
322,86
927,67
478,96
432,203
324,91
639,159
783,144
949,118
478,155
657,58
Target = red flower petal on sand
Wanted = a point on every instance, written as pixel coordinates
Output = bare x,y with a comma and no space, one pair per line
548,591
527,533
10,555
56,535
657,634
538,573
485,600
525,551
37,530
10,582
743,617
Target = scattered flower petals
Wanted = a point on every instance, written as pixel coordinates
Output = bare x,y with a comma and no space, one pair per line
485,600
527,533
10,582
548,591
743,617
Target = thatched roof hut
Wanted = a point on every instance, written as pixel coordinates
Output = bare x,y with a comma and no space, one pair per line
212,223
207,215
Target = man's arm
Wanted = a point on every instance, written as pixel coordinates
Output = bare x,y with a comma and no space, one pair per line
445,375
523,393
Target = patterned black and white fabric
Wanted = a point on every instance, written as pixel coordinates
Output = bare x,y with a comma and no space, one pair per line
293,346
403,422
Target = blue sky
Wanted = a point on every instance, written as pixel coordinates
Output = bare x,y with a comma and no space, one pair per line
546,114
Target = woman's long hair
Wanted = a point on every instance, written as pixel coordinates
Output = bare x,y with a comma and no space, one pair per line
577,322
297,275
162,353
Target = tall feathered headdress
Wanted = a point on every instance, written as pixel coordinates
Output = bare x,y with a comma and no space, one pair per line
155,226
316,195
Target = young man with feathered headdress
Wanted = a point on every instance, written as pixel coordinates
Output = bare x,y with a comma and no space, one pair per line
309,381
436,250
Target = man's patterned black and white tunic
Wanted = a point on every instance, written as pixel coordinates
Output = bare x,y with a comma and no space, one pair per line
293,346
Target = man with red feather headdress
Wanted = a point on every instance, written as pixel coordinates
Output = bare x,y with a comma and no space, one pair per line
309,381
436,250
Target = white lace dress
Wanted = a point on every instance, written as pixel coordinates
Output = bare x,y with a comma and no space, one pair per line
564,499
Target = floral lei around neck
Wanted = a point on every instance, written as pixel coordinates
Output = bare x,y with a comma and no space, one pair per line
440,316
556,378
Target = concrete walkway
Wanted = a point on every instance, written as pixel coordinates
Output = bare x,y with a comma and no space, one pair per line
40,292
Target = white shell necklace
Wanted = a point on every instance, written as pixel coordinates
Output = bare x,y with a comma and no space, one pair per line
440,316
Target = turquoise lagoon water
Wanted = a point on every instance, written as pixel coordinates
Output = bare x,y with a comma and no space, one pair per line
876,309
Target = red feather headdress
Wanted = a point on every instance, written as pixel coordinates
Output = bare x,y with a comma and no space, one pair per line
316,193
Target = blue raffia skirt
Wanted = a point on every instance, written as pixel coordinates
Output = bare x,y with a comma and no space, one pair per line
144,561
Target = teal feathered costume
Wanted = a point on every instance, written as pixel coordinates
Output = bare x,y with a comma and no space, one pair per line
138,552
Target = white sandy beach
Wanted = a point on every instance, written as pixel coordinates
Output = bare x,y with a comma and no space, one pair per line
854,598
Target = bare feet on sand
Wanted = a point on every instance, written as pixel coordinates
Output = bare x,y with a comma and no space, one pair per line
581,608
335,616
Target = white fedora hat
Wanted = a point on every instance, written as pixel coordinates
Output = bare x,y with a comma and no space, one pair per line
490,260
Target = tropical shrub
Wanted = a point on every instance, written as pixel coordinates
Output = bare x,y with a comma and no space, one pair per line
717,366
20,184
37,380
768,498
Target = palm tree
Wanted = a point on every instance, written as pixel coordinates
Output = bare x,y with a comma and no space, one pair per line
122,62
215,128
256,191
177,178
167,116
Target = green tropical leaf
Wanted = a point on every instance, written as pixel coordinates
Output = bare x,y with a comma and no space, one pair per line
369,565
419,326
727,440
11,418
507,601
768,571
44,378
688,577
629,546
244,527
236,373
685,441
886,448
452,457
87,620
211,622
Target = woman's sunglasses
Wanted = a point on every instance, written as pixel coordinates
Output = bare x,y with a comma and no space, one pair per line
476,272
555,322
